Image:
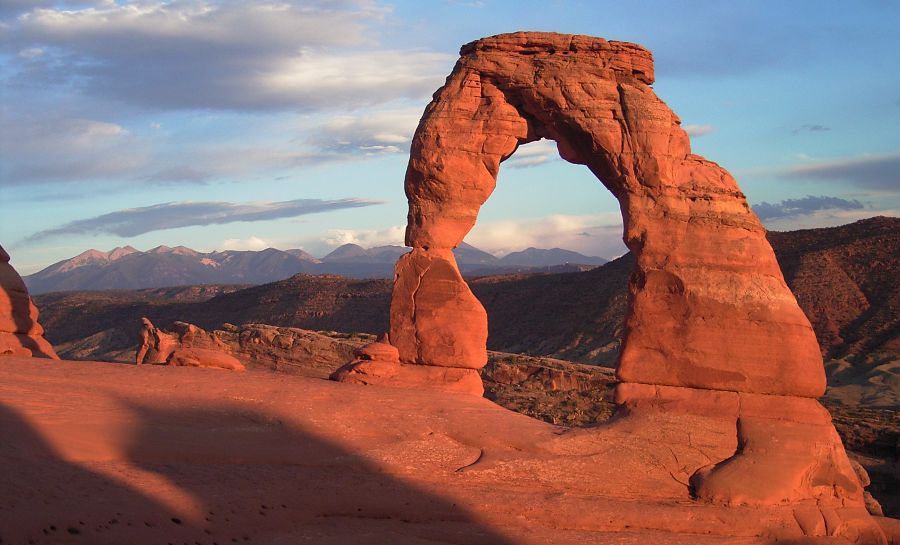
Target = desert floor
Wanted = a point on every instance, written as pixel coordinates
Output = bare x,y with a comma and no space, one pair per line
109,453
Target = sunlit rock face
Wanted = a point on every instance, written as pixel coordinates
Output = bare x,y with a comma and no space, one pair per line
712,330
20,332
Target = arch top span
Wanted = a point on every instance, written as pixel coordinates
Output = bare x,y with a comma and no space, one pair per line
624,57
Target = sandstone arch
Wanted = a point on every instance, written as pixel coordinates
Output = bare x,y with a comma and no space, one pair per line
712,326
710,308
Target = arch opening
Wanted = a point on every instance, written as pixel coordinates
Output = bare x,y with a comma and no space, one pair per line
544,202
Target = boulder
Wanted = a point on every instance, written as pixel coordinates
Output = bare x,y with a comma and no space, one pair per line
204,357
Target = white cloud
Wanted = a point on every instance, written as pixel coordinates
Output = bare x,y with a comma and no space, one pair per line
261,25
828,218
699,130
47,148
595,234
379,132
43,146
871,171
533,154
251,243
314,58
354,79
810,204
324,243
879,172
31,53
367,238
92,131
132,222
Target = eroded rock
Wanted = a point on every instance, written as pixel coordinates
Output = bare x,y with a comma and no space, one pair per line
435,318
187,346
204,357
20,332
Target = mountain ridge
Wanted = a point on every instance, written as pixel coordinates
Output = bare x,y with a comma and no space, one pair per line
164,266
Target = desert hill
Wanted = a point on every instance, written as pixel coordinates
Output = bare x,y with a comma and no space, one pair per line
846,280
163,266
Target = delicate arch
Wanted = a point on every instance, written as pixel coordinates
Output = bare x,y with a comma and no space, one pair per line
710,308
712,330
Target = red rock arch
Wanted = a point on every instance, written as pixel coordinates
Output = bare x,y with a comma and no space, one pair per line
710,308
712,328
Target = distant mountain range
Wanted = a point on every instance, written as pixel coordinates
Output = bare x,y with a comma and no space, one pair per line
845,279
164,266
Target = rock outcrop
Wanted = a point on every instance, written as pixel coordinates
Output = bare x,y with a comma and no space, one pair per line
187,346
253,346
20,332
712,329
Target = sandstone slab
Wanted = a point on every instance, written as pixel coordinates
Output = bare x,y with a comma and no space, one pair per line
185,455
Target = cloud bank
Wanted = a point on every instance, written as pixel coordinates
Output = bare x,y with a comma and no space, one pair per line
222,55
594,234
878,172
789,208
380,132
533,154
137,221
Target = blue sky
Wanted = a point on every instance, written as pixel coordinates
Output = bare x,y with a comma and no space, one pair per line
243,125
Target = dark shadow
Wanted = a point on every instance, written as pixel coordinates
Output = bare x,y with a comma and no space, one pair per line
44,499
257,479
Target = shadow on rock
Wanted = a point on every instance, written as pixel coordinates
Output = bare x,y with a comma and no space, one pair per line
45,499
252,478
